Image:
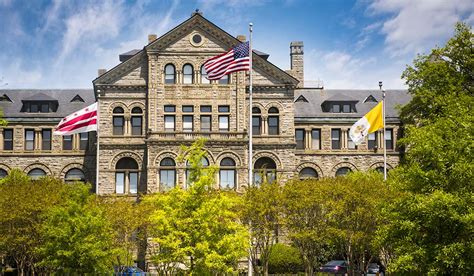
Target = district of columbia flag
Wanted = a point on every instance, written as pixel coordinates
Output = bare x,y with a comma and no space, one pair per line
371,122
83,120
237,59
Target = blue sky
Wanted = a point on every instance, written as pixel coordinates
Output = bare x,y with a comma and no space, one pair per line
348,43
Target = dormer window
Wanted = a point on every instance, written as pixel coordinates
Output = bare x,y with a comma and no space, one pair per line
339,103
5,98
39,107
342,108
370,99
77,99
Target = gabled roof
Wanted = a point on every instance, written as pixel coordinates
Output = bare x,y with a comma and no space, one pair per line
316,97
63,96
77,98
195,20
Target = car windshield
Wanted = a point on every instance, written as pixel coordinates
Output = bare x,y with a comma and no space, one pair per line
334,263
373,265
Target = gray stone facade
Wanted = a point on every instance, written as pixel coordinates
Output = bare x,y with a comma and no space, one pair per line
140,83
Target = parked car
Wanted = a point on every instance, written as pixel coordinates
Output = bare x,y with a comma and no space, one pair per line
374,268
335,267
129,271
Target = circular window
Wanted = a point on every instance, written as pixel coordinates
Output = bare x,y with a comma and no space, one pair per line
196,39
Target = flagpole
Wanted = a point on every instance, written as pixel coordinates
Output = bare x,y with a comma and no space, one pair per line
250,272
384,144
97,144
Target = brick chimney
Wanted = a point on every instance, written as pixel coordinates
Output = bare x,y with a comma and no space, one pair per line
241,38
151,38
297,62
100,72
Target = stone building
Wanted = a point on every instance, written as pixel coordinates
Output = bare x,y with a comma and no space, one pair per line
158,98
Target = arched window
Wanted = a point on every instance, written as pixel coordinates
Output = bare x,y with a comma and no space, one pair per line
204,76
204,164
380,169
264,170
256,121
170,74
273,121
3,173
75,175
224,80
167,174
126,176
227,173
137,121
36,174
308,173
188,73
343,171
118,121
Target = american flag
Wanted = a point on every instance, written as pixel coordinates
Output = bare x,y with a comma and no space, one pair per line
237,59
83,120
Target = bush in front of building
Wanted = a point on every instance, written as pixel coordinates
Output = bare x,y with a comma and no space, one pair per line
284,259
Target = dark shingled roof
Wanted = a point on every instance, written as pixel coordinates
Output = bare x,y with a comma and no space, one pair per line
312,110
123,57
11,110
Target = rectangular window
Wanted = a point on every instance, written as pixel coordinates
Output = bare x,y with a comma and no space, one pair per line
170,108
206,123
227,179
273,125
316,139
83,140
350,143
224,108
223,123
188,108
389,139
346,108
118,122
34,107
256,125
336,138
44,108
188,123
169,123
167,179
29,139
299,137
336,108
46,139
206,108
136,125
372,141
133,177
8,139
119,182
67,142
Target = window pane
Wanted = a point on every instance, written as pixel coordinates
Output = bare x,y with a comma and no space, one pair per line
169,74
224,80
206,108
188,73
343,171
29,139
46,139
316,139
34,107
67,142
224,108
8,139
187,123
372,142
256,125
170,108
84,140
307,173
273,128
167,179
136,125
188,108
204,76
299,137
336,108
350,143
119,182
133,182
206,123
169,123
36,174
45,108
388,139
227,179
118,123
3,173
223,123
336,138
74,175
346,108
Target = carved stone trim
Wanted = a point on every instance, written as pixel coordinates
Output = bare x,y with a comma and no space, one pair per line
310,165
121,155
38,165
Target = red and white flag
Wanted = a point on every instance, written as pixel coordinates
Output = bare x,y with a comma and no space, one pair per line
237,59
84,120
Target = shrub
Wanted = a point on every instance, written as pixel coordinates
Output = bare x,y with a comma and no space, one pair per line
284,259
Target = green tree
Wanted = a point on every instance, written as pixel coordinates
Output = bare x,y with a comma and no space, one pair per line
3,122
77,237
198,227
23,206
430,226
260,212
284,259
306,217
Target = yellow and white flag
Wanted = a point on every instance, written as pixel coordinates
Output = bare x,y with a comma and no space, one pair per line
371,122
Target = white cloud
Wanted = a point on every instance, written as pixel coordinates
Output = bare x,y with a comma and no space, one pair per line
416,26
17,75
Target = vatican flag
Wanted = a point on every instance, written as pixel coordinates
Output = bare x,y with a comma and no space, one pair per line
371,122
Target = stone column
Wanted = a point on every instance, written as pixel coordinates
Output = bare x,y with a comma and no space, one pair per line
264,127
127,127
1,138
38,139
307,133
